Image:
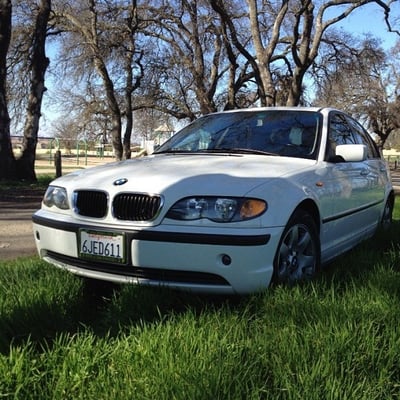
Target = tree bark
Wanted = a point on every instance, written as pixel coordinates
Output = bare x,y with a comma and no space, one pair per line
131,86
100,65
26,163
7,161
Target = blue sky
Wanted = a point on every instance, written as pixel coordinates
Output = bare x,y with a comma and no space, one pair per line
370,19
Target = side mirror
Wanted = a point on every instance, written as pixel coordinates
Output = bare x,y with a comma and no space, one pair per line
351,152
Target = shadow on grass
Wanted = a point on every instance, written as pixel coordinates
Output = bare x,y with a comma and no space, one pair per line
121,306
384,247
370,272
58,303
42,302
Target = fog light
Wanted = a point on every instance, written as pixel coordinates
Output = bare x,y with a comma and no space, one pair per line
37,235
226,260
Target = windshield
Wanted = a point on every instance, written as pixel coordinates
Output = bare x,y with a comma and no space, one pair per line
277,132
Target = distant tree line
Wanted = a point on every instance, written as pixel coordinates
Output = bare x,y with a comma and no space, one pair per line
121,66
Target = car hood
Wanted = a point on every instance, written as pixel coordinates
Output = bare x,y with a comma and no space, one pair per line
186,174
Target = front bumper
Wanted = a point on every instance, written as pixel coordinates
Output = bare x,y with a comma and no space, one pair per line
195,261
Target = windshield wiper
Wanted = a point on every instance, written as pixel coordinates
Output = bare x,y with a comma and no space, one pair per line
238,150
172,151
235,150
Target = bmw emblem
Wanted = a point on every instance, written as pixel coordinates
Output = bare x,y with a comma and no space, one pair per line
120,182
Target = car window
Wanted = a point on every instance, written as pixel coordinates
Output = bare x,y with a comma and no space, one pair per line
338,133
284,133
345,130
363,137
339,130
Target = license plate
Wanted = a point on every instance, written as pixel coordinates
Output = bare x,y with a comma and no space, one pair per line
102,246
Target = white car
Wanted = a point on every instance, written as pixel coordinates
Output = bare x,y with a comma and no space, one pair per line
234,201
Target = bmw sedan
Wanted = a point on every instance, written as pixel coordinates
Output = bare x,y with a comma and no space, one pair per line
233,202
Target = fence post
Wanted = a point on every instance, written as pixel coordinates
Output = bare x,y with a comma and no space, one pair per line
57,163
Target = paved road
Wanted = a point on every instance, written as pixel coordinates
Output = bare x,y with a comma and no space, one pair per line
16,236
396,177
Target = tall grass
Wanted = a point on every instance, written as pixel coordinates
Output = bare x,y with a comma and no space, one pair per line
334,338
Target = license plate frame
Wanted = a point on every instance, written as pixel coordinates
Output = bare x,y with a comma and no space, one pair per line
102,246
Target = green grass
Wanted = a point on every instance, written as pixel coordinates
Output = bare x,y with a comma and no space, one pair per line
334,338
38,168
43,181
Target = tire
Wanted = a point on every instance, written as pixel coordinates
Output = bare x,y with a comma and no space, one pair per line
298,256
387,216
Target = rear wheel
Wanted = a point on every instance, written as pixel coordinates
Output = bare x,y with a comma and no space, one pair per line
299,253
386,220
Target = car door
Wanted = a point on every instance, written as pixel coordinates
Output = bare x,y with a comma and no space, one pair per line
349,184
374,171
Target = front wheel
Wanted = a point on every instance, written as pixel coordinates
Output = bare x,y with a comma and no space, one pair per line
299,251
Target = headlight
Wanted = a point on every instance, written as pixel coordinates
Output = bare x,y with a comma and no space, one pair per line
56,196
217,209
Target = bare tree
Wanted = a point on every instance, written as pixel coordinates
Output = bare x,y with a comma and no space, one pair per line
286,38
366,84
134,71
6,155
188,57
28,50
200,56
243,67
384,120
83,25
38,65
355,77
99,37
383,110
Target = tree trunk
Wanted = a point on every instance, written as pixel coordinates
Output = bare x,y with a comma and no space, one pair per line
296,89
7,161
129,86
26,163
100,65
129,121
115,118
